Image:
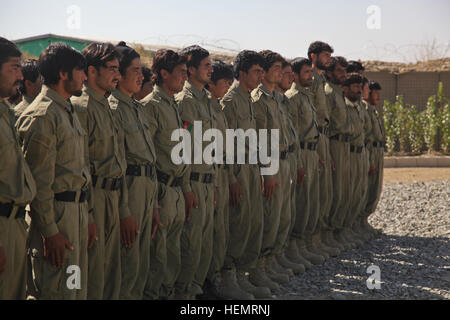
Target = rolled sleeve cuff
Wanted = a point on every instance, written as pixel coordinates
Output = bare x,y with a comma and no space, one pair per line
49,230
124,212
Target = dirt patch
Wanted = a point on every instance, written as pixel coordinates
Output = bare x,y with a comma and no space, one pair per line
409,175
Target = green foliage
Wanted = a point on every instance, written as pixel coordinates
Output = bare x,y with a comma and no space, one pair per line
409,130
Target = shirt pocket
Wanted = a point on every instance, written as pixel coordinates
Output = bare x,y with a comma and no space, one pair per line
134,140
105,137
244,121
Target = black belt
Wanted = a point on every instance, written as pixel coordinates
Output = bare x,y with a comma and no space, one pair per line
356,149
164,178
309,145
324,130
378,144
71,196
292,148
7,208
341,137
207,177
107,183
284,154
145,170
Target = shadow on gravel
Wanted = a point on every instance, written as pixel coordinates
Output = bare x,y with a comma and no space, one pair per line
411,267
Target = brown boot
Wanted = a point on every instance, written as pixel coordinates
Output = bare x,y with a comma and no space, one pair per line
310,256
247,286
293,255
272,274
229,288
295,267
332,252
258,277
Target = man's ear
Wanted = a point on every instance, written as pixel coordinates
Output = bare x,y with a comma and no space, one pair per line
164,74
92,71
64,75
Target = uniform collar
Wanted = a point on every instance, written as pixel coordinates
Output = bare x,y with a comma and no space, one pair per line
199,94
27,99
265,90
353,104
163,94
336,87
124,98
95,95
57,98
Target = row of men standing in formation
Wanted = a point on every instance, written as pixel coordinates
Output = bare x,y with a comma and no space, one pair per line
113,217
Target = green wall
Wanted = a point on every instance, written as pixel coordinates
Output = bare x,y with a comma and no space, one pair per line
35,47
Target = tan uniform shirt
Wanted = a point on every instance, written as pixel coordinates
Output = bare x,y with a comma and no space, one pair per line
53,140
104,140
221,123
239,111
16,181
356,115
339,118
270,115
164,118
139,147
195,105
319,99
305,113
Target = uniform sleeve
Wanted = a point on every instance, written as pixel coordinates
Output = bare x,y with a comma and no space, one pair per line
87,122
40,154
230,115
188,114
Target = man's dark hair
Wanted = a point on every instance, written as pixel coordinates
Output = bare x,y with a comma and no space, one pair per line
355,66
8,50
245,60
285,63
165,59
127,55
298,63
59,57
194,55
98,54
373,85
30,71
221,70
147,73
317,47
270,58
335,61
352,78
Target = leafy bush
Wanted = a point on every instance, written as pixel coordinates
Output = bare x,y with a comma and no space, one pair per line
409,130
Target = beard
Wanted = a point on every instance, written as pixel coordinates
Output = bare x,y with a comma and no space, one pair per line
320,65
73,88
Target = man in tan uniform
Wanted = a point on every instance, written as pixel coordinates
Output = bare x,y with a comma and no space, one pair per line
339,133
277,216
320,55
283,86
246,213
375,148
30,86
197,236
135,229
107,165
169,75
17,186
358,161
308,191
53,140
215,286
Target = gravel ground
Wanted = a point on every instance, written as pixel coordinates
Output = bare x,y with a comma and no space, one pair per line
413,252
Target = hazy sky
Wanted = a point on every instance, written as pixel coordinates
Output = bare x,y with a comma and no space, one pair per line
407,28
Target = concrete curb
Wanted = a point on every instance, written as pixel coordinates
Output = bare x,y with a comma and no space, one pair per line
410,162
